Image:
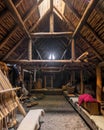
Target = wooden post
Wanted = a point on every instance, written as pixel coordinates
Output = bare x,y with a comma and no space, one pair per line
82,85
51,81
51,17
98,83
45,81
73,49
52,22
30,50
34,75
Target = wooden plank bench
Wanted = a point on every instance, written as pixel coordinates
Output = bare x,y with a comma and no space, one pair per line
31,120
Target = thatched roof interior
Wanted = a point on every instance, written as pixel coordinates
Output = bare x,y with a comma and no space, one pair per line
21,19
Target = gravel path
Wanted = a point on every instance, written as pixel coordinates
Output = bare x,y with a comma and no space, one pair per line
59,115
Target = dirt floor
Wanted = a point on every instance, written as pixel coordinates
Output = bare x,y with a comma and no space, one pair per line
59,114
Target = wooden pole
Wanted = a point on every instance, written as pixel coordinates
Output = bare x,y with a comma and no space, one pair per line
51,22
51,81
30,50
73,49
43,61
98,83
45,81
81,78
51,34
51,17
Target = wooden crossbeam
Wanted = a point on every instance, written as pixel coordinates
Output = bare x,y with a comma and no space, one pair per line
43,61
51,34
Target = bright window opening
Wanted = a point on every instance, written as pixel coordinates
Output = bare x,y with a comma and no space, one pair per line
45,5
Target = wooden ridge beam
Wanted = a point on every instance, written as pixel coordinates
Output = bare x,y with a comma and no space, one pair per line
17,16
51,34
85,16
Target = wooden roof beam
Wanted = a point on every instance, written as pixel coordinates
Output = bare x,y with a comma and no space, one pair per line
9,35
43,61
18,3
62,16
93,49
17,16
33,9
85,16
51,34
13,49
68,3
21,55
89,44
38,22
51,28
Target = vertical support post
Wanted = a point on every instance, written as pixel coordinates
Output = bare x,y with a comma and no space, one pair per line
81,81
45,81
73,49
98,83
51,81
51,22
51,17
30,50
34,75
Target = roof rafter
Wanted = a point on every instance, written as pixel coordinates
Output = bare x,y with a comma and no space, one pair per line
79,17
93,49
17,16
13,49
33,9
62,16
38,22
9,35
85,16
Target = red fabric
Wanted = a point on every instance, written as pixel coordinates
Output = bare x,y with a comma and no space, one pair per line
86,98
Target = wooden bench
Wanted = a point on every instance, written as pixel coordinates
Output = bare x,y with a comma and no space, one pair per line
31,120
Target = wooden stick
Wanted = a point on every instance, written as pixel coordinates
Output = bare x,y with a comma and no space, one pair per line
9,90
